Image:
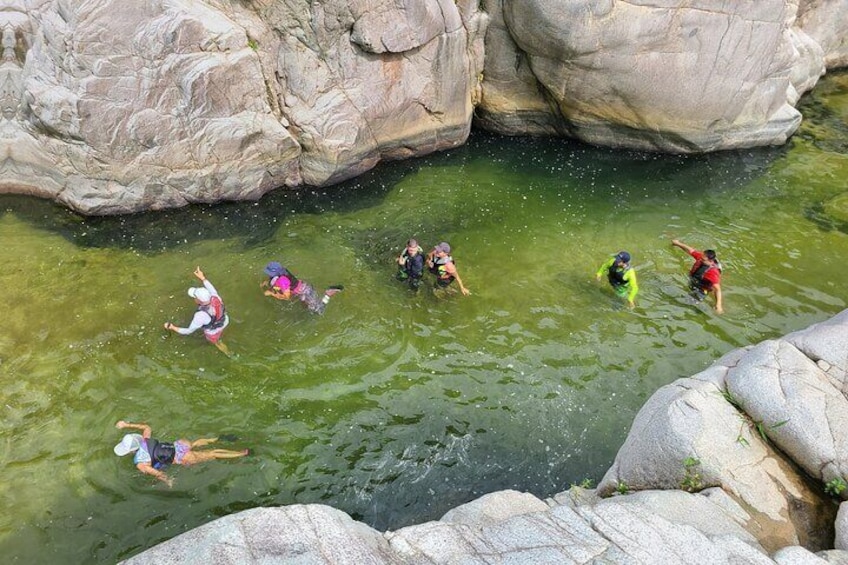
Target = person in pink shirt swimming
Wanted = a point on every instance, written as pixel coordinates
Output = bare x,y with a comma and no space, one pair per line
282,285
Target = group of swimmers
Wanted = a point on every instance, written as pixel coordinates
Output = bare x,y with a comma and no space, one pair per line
439,262
211,315
704,276
152,455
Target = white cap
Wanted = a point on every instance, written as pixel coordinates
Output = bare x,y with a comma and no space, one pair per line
130,443
200,294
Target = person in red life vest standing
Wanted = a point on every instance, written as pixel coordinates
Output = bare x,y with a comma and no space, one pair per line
211,316
441,264
705,274
282,285
151,455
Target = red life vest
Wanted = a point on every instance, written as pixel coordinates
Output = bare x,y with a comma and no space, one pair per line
215,309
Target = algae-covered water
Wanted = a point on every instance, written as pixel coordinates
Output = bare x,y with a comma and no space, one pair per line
393,406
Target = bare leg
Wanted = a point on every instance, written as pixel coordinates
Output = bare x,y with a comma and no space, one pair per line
203,441
222,347
228,453
194,457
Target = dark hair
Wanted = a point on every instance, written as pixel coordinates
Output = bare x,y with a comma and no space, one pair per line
710,254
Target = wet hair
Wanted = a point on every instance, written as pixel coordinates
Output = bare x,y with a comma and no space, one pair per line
710,254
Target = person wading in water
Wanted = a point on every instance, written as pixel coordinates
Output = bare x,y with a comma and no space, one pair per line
705,274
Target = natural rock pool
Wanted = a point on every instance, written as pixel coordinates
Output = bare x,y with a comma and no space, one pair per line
391,406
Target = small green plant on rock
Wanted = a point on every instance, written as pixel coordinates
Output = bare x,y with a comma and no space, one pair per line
584,484
622,488
253,44
578,488
732,400
691,477
834,487
758,425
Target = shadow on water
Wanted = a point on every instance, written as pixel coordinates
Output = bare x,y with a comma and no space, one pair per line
254,223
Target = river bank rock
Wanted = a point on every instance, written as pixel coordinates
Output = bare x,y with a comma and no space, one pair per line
753,439
501,527
784,442
109,108
668,76
114,108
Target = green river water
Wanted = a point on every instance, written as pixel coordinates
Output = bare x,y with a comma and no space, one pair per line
392,406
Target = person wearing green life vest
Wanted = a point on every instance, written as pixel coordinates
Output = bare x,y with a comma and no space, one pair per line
621,276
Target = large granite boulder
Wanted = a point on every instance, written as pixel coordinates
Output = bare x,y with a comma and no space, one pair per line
113,107
825,22
305,534
669,76
502,527
789,393
689,435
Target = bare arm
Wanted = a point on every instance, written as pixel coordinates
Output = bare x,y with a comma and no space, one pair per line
286,295
683,246
451,269
145,429
148,469
464,290
719,307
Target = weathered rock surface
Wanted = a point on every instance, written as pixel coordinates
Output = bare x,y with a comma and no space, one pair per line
788,391
113,107
816,18
716,434
669,76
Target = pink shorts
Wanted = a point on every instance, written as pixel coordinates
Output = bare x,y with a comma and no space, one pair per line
214,335
182,447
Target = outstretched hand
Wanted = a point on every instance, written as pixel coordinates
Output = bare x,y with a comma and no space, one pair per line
199,274
121,424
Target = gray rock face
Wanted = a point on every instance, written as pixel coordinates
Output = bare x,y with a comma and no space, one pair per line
668,76
790,391
817,18
112,107
308,535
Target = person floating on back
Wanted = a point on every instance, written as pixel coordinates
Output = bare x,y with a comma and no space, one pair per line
411,262
440,263
282,285
705,274
621,276
211,316
151,455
